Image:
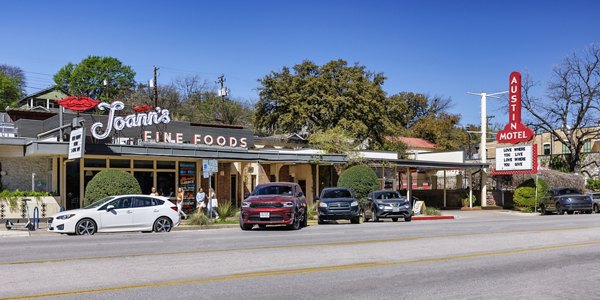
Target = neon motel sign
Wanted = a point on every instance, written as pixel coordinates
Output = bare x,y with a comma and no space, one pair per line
514,132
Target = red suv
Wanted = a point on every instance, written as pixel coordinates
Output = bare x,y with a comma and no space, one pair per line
276,203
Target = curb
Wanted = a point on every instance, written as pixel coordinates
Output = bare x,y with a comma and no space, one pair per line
431,218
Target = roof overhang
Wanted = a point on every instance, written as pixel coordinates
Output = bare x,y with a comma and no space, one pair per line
186,151
438,165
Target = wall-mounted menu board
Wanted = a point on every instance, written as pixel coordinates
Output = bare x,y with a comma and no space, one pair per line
187,181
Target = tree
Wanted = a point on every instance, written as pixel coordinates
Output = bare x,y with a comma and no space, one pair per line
87,78
10,92
15,73
571,112
441,129
110,182
314,98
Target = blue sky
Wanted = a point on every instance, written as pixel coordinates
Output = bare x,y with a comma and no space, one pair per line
443,48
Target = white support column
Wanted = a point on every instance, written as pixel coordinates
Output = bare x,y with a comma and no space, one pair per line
408,185
483,150
445,188
470,189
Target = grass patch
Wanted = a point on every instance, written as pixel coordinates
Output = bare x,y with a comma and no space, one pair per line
432,211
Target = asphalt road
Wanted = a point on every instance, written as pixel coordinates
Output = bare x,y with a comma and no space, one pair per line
490,255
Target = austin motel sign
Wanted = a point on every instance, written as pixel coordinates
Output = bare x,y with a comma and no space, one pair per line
518,159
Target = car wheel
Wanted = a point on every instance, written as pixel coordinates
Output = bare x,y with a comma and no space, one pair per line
295,224
162,224
304,219
596,208
408,219
394,219
587,212
85,227
262,226
374,216
570,212
559,209
245,226
320,221
355,220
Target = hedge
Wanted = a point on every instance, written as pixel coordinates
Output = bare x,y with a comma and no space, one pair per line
361,179
524,196
110,182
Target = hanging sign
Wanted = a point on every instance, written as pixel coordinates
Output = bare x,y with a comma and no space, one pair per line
153,117
514,132
210,166
76,143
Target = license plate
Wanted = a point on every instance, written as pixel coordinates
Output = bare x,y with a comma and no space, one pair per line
265,215
396,209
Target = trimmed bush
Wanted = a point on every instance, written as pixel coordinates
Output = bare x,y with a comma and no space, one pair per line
361,179
524,196
593,184
110,182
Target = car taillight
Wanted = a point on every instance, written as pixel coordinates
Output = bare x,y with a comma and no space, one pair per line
174,208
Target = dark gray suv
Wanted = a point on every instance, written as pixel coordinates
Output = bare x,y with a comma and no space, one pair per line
339,203
387,204
563,200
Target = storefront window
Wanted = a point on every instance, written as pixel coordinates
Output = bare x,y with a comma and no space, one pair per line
143,164
94,163
165,183
120,163
187,181
145,179
165,165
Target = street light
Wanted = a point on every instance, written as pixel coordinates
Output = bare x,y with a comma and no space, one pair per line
482,144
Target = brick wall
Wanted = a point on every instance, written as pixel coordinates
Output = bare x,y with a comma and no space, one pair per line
224,183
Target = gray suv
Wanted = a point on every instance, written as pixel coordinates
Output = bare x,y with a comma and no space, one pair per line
387,204
339,203
567,200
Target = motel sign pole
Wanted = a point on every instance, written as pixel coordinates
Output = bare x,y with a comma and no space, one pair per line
482,143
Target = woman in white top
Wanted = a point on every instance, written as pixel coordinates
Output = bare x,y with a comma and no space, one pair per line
212,203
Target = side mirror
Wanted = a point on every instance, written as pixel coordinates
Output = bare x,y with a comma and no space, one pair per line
369,199
110,207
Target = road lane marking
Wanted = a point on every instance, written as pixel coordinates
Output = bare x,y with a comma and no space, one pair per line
296,246
273,273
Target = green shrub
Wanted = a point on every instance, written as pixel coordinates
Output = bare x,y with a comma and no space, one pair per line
432,211
593,184
524,196
311,212
12,197
361,179
198,219
110,182
226,210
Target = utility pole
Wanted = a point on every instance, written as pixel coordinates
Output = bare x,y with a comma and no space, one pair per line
155,87
223,92
482,143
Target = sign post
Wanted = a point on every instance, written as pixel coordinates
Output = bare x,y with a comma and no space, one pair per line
209,167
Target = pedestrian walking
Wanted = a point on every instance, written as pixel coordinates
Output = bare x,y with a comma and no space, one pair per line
200,200
180,202
212,203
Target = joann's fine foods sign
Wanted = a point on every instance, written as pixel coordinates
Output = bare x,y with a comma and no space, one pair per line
514,158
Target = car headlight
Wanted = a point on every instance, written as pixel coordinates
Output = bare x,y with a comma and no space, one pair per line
288,204
64,217
245,204
568,200
354,203
322,204
381,206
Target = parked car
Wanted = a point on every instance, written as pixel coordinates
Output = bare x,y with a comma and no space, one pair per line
118,213
563,200
596,201
387,204
277,203
339,203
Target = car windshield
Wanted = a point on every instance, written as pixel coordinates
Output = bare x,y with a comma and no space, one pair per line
567,192
341,193
99,202
388,195
273,190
